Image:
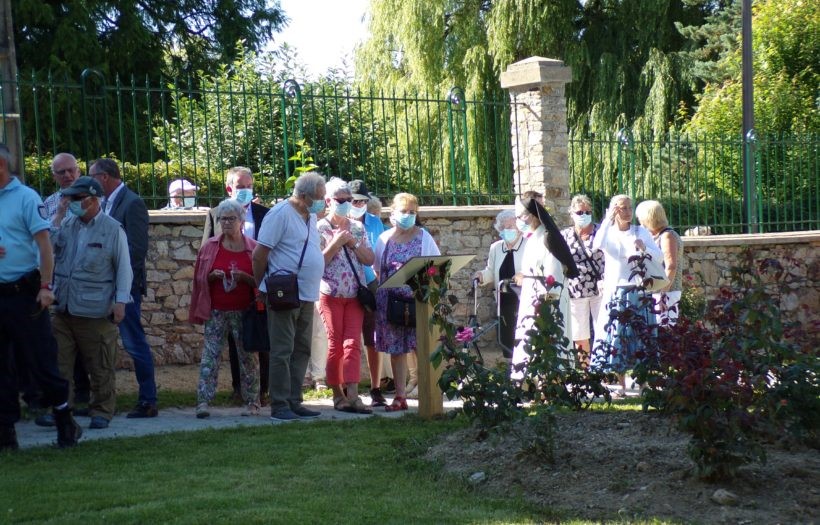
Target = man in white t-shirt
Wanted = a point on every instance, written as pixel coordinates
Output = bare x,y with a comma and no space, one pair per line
288,240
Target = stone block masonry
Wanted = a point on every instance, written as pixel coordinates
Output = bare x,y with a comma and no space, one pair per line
175,239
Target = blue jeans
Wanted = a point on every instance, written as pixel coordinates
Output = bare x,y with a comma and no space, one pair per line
133,339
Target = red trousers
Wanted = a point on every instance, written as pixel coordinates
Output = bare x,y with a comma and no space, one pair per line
342,317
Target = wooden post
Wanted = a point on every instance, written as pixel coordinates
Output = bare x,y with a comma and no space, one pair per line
431,404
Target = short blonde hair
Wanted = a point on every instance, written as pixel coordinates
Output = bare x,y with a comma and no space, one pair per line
407,199
651,215
578,200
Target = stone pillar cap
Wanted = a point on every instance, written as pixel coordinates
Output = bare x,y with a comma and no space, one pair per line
534,72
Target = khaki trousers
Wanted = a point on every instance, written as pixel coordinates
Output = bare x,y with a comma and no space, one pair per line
96,342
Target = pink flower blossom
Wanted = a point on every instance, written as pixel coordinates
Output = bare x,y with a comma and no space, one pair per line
550,281
464,335
431,271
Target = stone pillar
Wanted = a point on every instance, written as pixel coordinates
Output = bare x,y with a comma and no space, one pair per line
539,129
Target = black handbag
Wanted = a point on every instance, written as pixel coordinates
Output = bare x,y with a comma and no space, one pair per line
255,329
401,311
366,298
282,286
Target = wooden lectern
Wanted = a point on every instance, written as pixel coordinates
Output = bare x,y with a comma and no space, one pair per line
430,401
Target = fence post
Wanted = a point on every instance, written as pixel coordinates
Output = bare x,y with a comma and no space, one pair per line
539,129
290,89
625,143
750,189
87,94
456,103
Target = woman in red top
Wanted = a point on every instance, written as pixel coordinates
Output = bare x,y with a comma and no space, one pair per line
223,288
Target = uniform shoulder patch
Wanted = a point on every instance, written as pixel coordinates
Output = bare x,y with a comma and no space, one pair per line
41,209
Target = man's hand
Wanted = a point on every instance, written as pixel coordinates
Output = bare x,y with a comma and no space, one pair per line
45,298
118,312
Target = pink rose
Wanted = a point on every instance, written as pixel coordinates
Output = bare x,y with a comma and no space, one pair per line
550,281
431,271
464,335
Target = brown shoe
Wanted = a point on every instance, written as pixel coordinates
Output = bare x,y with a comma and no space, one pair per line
143,410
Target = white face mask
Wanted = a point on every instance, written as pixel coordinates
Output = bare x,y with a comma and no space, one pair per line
357,212
582,220
522,225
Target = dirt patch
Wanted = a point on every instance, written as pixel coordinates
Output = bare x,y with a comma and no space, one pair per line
631,465
180,378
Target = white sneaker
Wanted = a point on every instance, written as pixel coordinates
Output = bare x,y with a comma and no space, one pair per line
202,411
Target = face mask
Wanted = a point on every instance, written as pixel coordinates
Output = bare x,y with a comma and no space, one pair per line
243,196
317,206
357,213
405,221
523,227
342,209
509,234
188,202
582,220
76,207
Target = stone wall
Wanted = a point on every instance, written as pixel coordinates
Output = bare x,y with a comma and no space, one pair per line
175,239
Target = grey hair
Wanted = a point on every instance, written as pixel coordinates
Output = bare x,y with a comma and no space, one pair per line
235,172
502,216
336,186
231,205
578,200
307,183
374,205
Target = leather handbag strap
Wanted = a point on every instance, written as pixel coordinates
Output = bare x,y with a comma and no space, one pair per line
350,261
307,223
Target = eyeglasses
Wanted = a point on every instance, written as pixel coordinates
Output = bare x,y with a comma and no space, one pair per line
227,219
342,200
582,212
64,171
76,198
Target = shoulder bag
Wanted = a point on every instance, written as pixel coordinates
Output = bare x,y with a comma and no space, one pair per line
283,286
401,311
365,296
255,328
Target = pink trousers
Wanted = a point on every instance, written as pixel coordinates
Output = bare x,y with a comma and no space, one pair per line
342,317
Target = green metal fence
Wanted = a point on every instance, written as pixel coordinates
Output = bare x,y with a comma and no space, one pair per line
699,180
447,150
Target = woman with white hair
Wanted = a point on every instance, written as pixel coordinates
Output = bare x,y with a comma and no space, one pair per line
346,250
503,262
619,239
652,216
223,288
584,291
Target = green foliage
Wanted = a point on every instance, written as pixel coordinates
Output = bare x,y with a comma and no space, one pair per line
150,37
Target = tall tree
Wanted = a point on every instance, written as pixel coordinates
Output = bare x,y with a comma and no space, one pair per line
143,37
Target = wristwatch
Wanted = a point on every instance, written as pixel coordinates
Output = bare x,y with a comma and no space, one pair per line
47,286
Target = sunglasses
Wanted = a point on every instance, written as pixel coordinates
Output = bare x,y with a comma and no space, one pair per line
76,198
582,212
342,200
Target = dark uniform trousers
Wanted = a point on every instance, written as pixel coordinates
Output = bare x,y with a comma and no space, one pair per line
27,346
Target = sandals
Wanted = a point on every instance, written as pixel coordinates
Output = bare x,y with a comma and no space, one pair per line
399,403
359,407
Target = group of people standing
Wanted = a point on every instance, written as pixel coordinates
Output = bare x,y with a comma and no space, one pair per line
81,252
519,264
324,236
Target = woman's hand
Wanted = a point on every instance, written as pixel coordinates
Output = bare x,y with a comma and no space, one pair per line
342,238
518,278
216,275
639,245
240,276
478,277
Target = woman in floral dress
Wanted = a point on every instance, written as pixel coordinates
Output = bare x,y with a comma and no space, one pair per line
394,248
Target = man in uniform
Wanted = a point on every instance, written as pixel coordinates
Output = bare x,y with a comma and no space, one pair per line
129,210
92,277
26,341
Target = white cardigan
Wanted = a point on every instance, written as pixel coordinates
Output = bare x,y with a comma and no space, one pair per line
498,251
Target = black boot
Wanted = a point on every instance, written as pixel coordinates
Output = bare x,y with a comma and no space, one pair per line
68,431
8,438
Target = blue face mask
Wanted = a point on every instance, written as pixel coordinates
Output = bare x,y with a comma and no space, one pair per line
582,220
76,207
317,206
523,227
343,209
509,234
405,221
243,196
